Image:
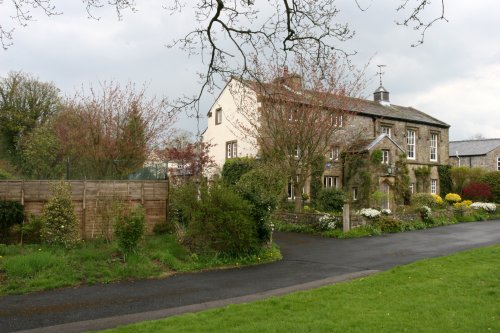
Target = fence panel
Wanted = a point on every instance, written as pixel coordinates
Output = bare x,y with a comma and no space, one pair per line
93,200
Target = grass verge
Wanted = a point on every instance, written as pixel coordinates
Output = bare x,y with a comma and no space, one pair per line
38,267
457,293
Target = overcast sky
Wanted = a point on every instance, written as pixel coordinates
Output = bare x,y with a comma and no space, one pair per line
454,76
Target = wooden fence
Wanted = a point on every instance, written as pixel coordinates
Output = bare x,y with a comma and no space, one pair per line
93,200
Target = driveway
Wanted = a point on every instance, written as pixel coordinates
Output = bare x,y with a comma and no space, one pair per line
309,261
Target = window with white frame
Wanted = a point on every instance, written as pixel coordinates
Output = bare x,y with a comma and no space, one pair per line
410,144
218,116
338,120
296,151
498,163
231,149
386,156
434,183
334,153
386,130
330,182
412,188
291,190
434,146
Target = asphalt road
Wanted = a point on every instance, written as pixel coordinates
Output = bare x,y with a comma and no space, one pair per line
308,262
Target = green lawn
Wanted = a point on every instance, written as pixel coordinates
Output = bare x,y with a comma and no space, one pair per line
39,267
458,293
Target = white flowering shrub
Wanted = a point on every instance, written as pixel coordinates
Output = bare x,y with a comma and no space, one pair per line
370,213
327,222
426,213
386,211
487,206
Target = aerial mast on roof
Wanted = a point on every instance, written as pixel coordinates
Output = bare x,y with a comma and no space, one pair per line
380,73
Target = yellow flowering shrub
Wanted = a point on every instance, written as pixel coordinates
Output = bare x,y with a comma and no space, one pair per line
452,198
437,199
464,204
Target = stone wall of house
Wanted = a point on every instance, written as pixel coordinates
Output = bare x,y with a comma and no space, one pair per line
488,161
492,157
363,127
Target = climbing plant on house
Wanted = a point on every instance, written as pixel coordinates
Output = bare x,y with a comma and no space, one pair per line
423,177
402,193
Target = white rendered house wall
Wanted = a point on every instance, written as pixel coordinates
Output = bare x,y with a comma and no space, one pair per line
228,121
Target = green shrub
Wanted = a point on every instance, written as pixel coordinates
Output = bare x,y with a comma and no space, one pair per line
329,200
423,199
183,202
59,218
223,224
32,229
462,176
11,213
389,224
5,175
234,168
130,225
262,187
426,214
493,179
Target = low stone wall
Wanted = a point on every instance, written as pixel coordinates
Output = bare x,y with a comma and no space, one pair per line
298,218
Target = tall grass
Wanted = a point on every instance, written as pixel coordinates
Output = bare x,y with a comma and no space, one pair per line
37,267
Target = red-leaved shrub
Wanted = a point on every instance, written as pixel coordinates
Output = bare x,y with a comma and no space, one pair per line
478,192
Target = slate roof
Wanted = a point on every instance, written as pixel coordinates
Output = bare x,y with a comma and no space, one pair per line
359,106
395,112
473,147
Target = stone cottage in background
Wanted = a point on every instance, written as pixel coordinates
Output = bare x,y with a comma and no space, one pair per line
484,153
375,132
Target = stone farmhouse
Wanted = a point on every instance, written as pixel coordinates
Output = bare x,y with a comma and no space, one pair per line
368,126
476,153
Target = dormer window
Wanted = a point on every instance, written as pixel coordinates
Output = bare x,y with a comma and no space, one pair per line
386,130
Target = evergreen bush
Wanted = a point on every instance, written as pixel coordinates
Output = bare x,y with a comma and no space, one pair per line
262,187
493,179
130,225
59,221
423,199
234,168
329,200
11,213
223,224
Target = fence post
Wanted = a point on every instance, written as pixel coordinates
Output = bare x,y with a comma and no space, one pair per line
346,220
84,208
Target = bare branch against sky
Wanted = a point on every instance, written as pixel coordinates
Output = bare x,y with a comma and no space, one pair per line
73,43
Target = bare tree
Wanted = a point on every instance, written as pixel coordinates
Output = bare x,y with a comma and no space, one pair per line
109,132
295,119
226,33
